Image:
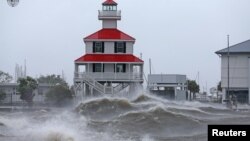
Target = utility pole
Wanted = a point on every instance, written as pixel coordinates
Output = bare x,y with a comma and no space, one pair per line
206,87
25,71
149,65
228,86
11,97
198,78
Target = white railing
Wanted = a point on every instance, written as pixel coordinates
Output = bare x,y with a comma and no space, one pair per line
109,13
106,76
94,83
93,78
98,86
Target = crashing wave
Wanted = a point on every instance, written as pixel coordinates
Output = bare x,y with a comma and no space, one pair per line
104,107
141,98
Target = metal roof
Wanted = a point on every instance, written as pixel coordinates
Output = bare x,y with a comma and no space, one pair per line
109,34
243,47
130,58
163,79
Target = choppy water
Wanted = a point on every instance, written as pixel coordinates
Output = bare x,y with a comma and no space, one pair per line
142,118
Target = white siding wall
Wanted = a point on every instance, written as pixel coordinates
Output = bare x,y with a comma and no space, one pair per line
109,67
90,69
238,71
129,47
127,67
131,68
89,47
109,24
109,47
249,80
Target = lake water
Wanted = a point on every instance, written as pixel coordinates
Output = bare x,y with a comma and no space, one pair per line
139,118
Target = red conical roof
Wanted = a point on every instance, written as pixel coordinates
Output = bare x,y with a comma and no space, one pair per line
109,2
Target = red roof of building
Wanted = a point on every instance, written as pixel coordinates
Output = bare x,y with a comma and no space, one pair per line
109,58
109,34
109,2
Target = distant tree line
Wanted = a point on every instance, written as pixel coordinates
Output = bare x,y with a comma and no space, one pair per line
2,95
26,88
193,87
4,78
59,94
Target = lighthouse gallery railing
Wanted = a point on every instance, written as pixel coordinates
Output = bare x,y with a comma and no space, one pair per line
105,76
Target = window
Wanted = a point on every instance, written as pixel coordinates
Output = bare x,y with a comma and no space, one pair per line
98,67
120,67
109,8
120,47
98,47
105,8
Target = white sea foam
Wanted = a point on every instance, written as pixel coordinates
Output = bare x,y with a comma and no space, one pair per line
143,117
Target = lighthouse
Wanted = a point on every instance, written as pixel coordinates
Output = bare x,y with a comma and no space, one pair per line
108,65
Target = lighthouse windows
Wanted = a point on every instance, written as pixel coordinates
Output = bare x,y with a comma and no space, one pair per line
120,47
98,47
109,8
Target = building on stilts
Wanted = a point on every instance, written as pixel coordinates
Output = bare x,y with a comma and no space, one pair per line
108,65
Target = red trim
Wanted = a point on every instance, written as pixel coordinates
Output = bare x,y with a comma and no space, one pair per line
113,33
109,2
109,58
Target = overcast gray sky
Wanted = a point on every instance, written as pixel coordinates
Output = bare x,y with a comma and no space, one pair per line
180,36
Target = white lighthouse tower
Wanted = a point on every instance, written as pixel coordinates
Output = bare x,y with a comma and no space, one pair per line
109,65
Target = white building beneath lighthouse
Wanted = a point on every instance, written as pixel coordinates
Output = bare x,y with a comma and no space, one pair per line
109,65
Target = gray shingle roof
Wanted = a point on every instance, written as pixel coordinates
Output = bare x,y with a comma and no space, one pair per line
243,47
